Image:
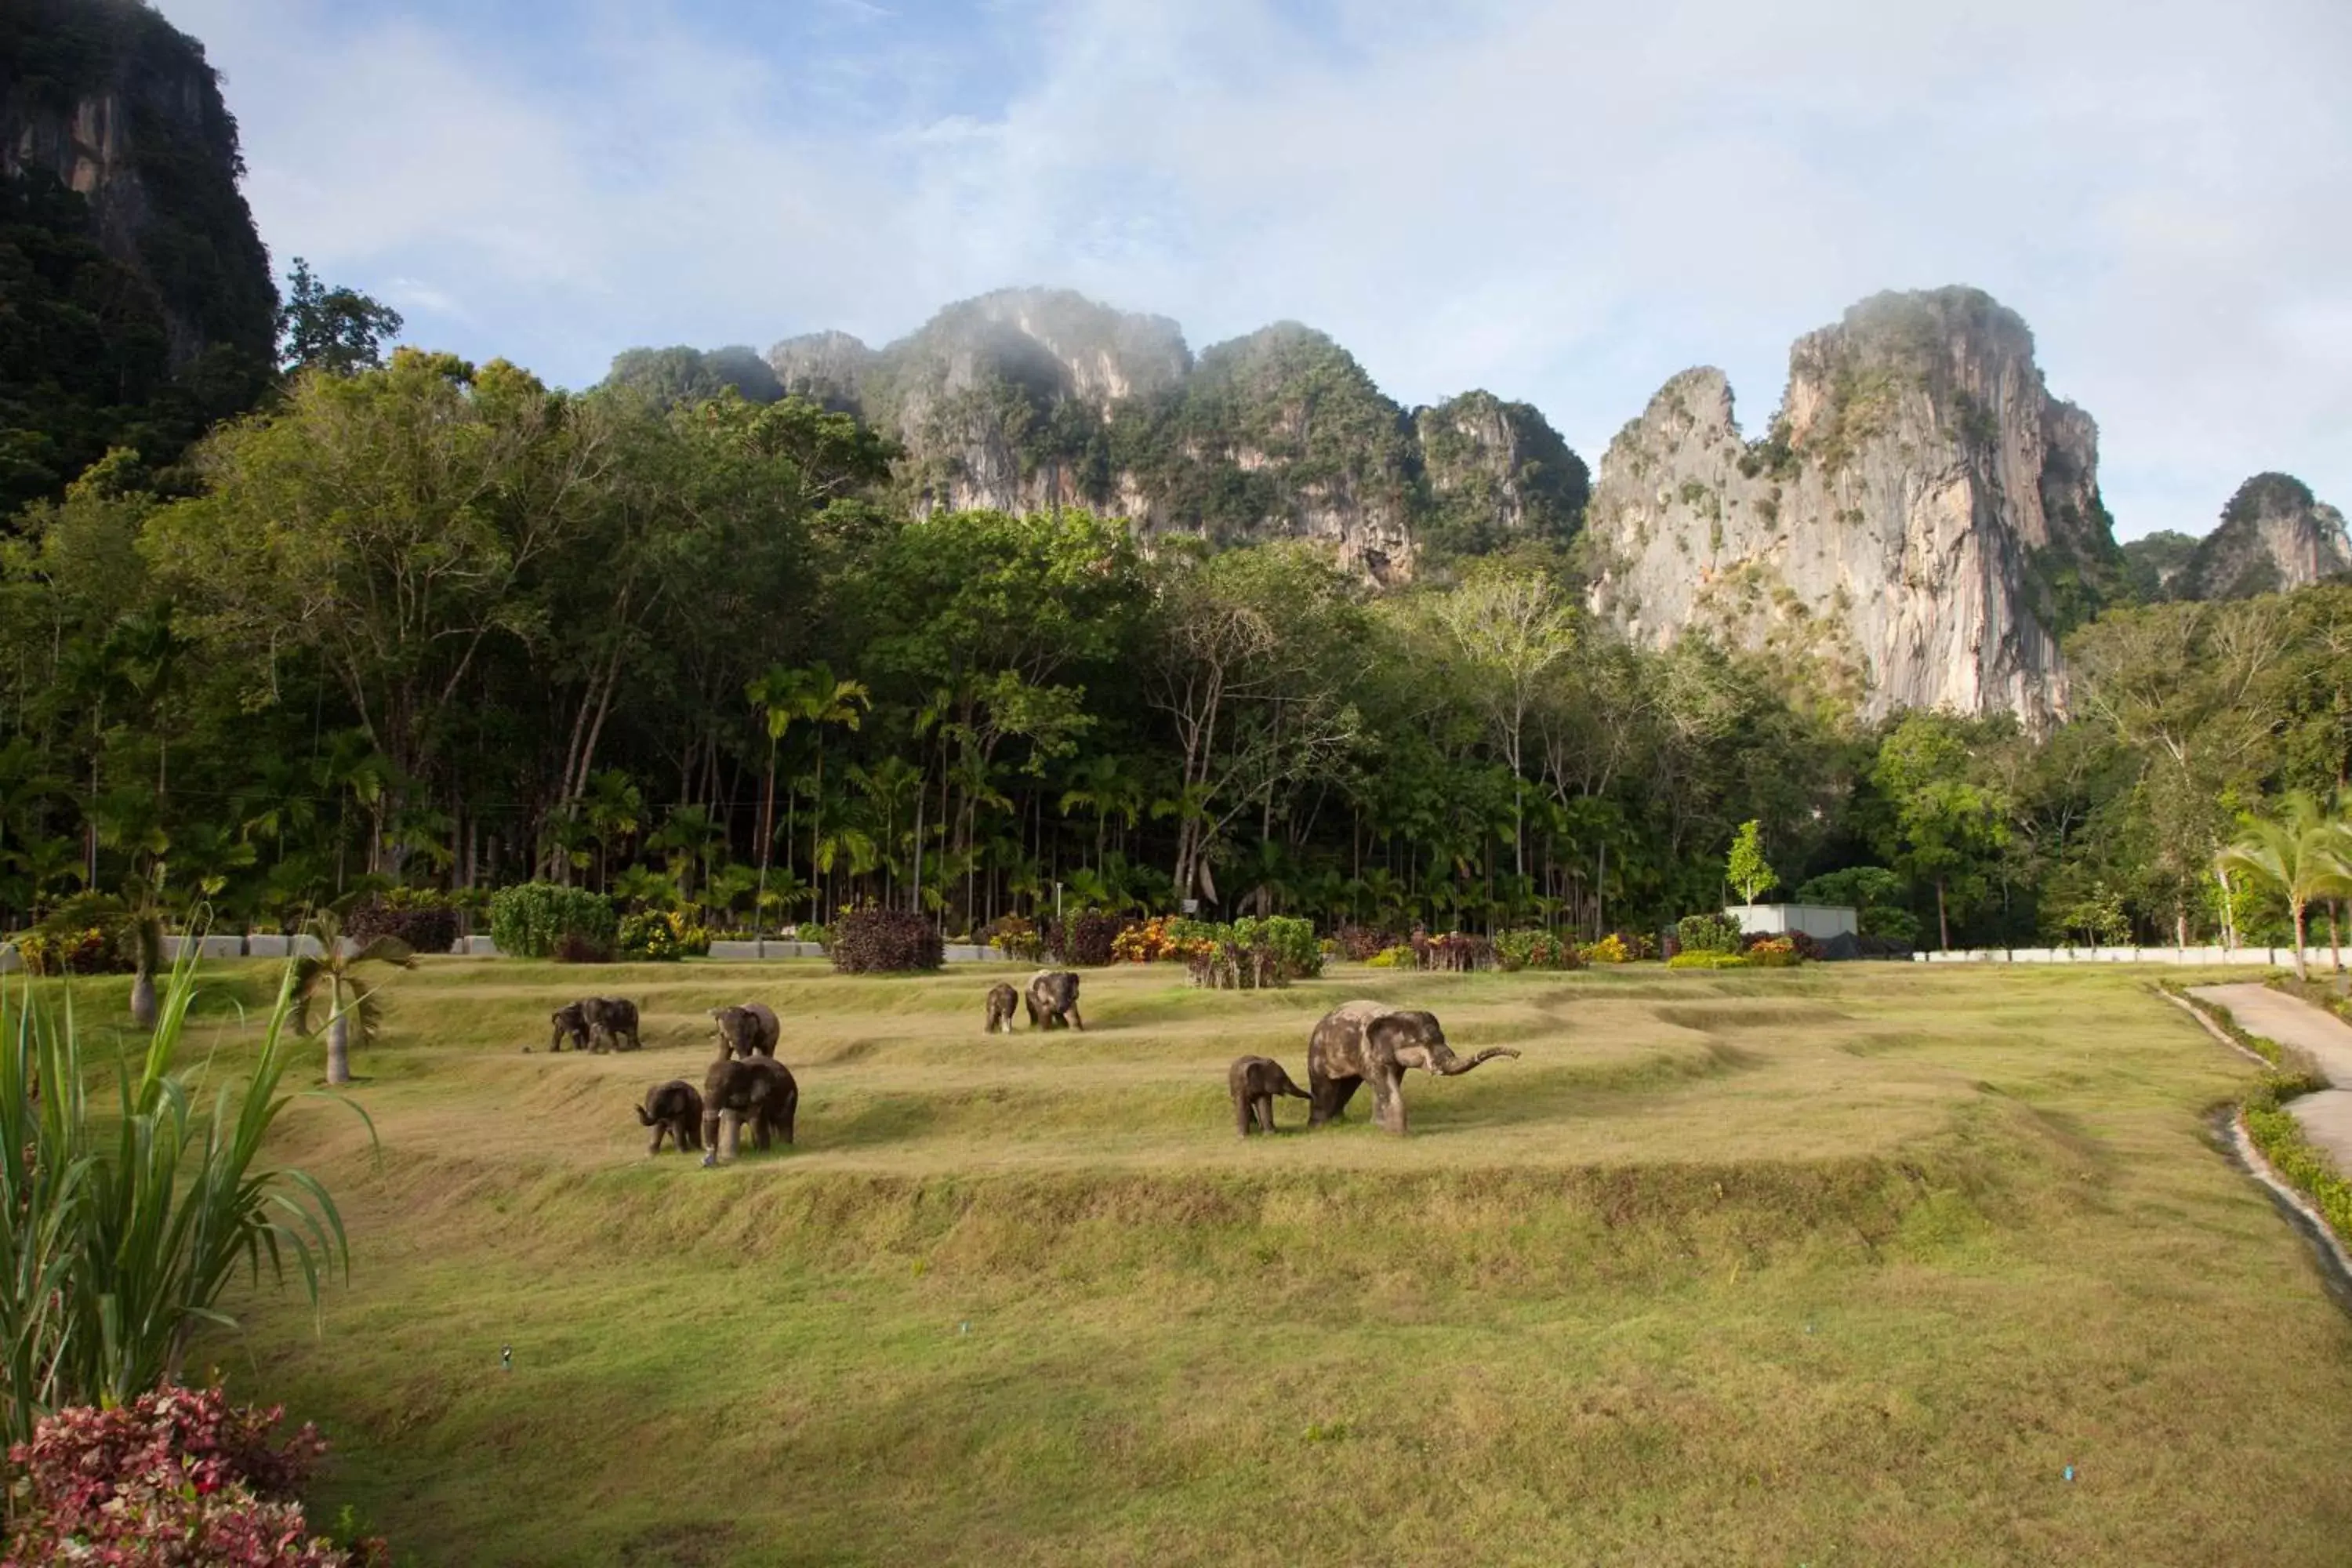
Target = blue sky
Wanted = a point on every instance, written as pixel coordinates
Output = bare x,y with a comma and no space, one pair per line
1565,203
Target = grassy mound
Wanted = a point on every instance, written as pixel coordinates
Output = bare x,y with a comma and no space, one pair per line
1835,1265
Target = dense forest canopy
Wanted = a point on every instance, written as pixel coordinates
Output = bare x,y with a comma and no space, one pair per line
435,624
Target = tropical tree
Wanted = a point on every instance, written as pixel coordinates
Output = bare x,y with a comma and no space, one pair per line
2303,853
1745,869
323,980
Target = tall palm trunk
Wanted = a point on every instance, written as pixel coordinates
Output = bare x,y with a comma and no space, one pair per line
142,998
2301,971
767,846
339,1050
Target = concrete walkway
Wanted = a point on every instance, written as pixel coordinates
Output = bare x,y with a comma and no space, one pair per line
2326,1116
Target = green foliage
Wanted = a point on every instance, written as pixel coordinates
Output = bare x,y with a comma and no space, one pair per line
531,920
1398,957
1745,867
871,940
138,321
1250,954
333,331
1708,933
1708,958
132,1202
90,933
1517,949
661,937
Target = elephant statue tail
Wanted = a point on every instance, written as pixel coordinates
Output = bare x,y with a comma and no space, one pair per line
1445,1064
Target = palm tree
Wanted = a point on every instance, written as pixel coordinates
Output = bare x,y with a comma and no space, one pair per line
777,696
322,978
147,941
2302,855
825,701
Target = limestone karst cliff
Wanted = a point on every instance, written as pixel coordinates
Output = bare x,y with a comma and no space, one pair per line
2274,535
1032,398
1920,508
139,293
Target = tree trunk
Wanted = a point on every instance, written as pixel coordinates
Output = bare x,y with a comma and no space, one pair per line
1943,925
339,1050
2301,973
142,998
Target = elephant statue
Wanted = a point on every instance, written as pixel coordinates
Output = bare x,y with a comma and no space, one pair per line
1003,1000
571,1024
1052,998
1371,1040
1255,1081
673,1109
747,1029
759,1088
611,1018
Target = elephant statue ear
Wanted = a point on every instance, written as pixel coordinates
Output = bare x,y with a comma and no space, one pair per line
1395,1038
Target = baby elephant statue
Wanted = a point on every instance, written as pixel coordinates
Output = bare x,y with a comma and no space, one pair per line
748,1030
1002,1001
1053,999
758,1088
1361,1041
674,1110
1255,1081
588,1022
571,1024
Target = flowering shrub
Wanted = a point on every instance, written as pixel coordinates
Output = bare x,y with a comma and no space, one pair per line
1146,943
179,1476
1774,952
1457,951
426,920
84,951
1084,939
1610,949
1516,949
90,933
1015,937
661,937
1708,933
1248,954
1396,957
870,941
1364,943
531,920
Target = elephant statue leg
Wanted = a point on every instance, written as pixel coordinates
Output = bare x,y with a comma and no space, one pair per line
1388,1101
1329,1098
1265,1109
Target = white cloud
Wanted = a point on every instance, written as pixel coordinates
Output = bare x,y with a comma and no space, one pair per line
1564,203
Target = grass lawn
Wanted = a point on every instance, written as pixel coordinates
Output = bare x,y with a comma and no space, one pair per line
1838,1265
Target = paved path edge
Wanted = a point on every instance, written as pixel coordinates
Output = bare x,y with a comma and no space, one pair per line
2334,1260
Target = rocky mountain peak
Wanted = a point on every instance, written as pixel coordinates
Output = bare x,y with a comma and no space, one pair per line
1920,510
1026,399
2274,535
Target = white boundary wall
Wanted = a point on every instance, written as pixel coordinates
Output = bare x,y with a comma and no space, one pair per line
2259,957
1819,921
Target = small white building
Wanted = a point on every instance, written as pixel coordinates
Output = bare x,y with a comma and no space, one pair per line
1819,921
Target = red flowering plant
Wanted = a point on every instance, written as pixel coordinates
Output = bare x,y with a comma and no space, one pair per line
179,1477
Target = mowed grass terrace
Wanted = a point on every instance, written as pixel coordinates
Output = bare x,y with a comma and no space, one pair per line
1838,1265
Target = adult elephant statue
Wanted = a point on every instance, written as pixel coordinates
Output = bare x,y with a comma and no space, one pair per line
610,1018
1372,1042
672,1109
760,1089
1053,999
747,1029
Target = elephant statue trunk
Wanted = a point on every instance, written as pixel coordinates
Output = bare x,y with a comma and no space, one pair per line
1445,1064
